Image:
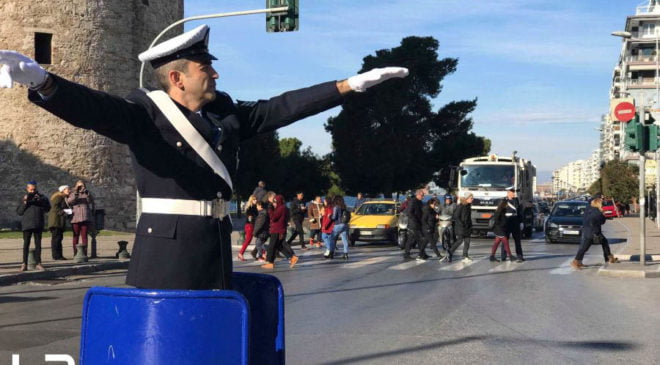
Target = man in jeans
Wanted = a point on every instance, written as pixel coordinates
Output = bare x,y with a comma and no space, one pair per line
32,208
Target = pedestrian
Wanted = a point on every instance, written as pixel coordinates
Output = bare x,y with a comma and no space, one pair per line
463,227
183,235
250,216
514,218
499,228
32,208
414,235
82,203
57,217
341,218
277,229
327,227
298,212
592,221
260,190
261,231
429,229
314,213
359,200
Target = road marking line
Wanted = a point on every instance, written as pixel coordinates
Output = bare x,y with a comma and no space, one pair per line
458,266
406,265
506,266
367,262
563,269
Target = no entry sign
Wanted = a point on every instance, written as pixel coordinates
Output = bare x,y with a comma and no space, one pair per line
624,111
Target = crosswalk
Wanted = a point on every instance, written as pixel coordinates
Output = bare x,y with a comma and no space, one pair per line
391,260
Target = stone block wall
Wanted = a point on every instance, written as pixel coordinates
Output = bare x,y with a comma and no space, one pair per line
94,43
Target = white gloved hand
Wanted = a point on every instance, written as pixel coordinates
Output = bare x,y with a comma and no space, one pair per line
20,68
522,226
363,81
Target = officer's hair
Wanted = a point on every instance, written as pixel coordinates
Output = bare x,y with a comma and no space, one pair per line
162,72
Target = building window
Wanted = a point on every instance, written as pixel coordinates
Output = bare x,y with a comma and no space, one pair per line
43,48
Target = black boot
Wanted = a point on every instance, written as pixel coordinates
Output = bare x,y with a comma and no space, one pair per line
345,257
493,259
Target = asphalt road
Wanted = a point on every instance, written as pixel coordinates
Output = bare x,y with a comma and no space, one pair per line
377,308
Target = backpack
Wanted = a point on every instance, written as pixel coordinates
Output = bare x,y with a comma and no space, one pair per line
345,216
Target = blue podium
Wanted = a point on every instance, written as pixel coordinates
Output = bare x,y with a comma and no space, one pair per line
137,326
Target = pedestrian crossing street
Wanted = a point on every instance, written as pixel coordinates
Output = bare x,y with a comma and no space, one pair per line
391,259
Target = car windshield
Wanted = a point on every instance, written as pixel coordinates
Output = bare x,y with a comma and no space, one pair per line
568,209
487,176
376,209
607,203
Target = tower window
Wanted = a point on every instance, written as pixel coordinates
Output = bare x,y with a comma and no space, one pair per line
43,48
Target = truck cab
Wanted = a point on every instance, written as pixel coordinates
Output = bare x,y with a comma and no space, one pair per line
488,178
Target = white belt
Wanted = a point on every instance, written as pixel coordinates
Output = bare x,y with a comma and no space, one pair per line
510,214
217,208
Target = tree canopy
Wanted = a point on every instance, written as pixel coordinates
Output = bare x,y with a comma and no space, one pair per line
389,139
618,180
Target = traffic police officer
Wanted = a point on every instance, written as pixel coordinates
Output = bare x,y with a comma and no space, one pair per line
183,235
514,215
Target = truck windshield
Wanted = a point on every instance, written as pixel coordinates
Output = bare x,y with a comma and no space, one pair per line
487,176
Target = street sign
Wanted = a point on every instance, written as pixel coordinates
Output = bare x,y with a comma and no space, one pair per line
624,112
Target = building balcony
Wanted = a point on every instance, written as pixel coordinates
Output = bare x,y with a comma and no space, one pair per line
647,9
641,83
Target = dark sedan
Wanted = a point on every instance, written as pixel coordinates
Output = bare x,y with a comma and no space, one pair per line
565,222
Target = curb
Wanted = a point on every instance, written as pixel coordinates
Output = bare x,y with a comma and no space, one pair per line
629,273
635,258
9,279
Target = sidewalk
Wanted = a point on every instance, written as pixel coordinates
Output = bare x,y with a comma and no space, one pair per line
11,256
629,253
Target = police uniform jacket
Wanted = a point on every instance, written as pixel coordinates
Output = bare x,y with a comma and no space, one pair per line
181,251
513,216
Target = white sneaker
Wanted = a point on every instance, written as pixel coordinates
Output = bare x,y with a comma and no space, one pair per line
467,260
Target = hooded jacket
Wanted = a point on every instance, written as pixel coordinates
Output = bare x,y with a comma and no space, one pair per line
278,216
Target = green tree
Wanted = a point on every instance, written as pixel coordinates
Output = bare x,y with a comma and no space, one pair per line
299,170
389,139
258,159
618,180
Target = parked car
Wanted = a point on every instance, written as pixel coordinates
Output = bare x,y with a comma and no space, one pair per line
375,220
564,224
539,218
610,209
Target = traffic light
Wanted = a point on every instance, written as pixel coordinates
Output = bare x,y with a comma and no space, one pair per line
653,137
634,139
285,21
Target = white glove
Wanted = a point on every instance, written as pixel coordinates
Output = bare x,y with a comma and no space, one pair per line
20,68
363,81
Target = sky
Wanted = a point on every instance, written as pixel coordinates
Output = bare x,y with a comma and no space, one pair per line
540,70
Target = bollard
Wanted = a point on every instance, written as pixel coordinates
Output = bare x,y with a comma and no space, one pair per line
81,255
123,252
93,252
32,262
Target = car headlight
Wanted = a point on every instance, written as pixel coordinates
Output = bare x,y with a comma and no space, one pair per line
383,226
553,225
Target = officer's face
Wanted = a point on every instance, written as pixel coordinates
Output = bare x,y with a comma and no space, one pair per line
199,81
510,194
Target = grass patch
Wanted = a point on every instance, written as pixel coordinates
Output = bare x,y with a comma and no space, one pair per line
19,234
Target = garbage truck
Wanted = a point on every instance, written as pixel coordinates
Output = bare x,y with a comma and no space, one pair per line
488,178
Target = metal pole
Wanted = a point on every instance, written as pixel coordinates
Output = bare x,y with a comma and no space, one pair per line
642,202
199,17
657,161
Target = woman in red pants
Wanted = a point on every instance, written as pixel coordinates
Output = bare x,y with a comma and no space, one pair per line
501,235
250,215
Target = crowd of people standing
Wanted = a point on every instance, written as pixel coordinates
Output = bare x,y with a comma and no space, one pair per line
75,206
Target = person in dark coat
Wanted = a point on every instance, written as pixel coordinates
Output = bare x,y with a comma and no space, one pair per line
32,208
279,216
261,230
514,217
298,212
499,228
592,221
183,235
57,220
429,228
463,227
414,214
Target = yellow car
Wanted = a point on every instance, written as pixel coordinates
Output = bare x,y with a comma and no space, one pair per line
375,220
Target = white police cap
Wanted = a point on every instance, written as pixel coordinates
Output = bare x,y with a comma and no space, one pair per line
192,44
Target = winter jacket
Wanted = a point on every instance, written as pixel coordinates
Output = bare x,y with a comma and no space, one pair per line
448,209
32,208
297,210
463,219
414,213
56,215
251,214
592,221
314,213
327,224
82,204
278,216
499,225
261,225
429,219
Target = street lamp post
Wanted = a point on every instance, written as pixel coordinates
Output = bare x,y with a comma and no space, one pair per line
642,158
